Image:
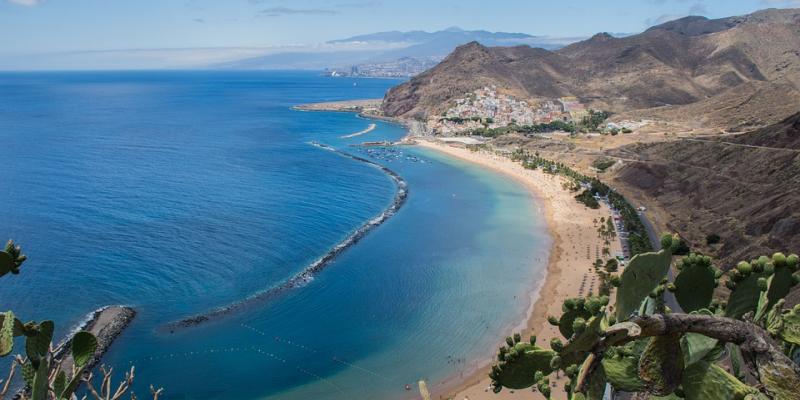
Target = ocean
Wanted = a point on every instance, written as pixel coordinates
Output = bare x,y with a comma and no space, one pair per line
181,192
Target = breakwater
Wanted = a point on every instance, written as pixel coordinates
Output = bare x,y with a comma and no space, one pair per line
307,274
369,129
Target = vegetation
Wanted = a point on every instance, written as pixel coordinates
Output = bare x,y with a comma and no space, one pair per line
460,120
588,199
589,123
593,121
712,239
603,163
524,129
639,345
42,368
638,238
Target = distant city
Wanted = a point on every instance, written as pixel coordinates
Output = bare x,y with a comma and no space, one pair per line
404,67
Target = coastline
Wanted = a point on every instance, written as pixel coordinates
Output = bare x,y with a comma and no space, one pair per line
568,274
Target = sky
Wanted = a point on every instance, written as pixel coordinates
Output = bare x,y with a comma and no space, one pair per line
233,28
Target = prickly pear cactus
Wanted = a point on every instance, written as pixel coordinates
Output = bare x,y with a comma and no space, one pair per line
518,366
744,286
573,309
6,333
784,324
621,366
595,384
696,346
37,346
661,364
694,286
782,280
642,275
758,285
11,259
703,381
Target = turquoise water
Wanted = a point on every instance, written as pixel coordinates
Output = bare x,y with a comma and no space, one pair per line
180,192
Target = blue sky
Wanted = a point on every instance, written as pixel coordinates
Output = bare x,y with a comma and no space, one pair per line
50,26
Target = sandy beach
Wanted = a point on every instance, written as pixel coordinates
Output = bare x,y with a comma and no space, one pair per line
569,272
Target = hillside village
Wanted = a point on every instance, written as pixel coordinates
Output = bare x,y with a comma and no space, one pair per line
489,107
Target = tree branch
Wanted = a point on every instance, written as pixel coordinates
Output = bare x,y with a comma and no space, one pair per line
773,368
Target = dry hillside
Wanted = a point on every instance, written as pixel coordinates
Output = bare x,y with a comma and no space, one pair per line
745,188
733,73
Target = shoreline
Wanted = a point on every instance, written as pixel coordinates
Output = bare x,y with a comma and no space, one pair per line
569,272
106,324
572,230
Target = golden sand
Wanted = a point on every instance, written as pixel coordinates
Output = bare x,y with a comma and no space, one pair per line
576,245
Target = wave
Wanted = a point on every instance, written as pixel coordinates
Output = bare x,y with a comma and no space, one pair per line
307,274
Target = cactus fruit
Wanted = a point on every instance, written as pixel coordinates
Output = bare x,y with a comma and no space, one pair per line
661,364
573,309
695,284
704,380
576,349
643,273
521,364
793,262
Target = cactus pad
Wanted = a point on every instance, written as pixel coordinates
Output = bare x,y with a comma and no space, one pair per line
643,274
520,366
703,381
622,373
6,263
784,323
661,364
745,294
695,284
84,344
38,346
696,346
781,282
6,333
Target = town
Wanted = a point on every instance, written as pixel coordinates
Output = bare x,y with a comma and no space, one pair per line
490,108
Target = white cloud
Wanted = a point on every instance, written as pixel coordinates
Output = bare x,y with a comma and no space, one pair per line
786,3
26,3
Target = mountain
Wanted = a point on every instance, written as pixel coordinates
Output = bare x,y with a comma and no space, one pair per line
742,187
664,68
454,33
389,47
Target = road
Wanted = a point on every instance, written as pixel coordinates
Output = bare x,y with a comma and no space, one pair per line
741,145
655,241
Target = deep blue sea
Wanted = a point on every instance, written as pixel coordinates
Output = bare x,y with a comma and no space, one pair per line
179,192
